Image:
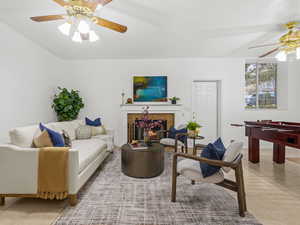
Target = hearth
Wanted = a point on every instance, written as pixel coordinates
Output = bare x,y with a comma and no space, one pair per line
173,114
136,133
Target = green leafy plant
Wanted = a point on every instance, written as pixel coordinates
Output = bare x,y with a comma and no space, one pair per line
67,104
193,126
174,99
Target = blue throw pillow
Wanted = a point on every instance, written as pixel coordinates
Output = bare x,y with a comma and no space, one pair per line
95,123
173,132
56,138
220,147
213,151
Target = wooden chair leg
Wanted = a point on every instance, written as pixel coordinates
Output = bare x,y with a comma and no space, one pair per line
2,201
73,200
243,187
174,179
240,190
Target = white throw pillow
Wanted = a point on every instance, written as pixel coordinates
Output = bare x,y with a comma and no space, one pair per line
69,126
23,136
232,151
181,126
83,132
170,142
98,130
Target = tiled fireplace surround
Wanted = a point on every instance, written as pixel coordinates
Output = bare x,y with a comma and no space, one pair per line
173,114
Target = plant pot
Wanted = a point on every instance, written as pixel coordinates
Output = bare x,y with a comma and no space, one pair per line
193,133
174,102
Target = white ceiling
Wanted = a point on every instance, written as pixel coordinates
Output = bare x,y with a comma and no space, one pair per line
161,28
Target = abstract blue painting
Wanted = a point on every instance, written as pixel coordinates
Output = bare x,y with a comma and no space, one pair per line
150,89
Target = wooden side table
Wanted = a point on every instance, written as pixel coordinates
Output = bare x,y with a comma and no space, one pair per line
195,146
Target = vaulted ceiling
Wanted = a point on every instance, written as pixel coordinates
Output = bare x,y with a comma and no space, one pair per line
161,28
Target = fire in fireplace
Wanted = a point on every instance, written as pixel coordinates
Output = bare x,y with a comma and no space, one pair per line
138,133
135,133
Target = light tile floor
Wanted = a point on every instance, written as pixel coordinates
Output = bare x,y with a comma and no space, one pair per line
273,196
273,190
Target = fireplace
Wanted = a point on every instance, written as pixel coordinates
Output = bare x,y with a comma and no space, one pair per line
135,133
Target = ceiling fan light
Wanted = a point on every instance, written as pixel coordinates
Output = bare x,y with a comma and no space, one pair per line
83,27
99,7
281,56
93,36
65,29
77,37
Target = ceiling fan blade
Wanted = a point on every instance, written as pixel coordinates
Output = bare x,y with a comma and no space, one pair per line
269,53
61,2
47,18
261,46
104,2
110,25
93,5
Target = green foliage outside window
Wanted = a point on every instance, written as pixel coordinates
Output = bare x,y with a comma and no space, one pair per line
261,85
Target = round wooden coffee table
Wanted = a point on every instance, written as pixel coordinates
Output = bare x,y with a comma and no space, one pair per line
145,163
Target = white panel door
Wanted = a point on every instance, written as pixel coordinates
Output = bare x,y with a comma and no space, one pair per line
205,108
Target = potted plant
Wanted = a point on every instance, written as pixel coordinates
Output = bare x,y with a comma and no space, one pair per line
67,104
174,100
193,128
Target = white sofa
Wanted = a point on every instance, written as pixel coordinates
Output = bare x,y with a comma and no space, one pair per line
19,161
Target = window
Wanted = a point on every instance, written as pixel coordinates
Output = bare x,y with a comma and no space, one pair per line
261,92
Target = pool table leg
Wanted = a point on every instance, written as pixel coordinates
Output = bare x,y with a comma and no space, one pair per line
253,150
278,153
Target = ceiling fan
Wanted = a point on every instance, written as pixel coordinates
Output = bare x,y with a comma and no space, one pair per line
80,17
287,44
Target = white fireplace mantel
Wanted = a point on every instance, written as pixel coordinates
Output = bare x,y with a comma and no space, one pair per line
126,109
153,107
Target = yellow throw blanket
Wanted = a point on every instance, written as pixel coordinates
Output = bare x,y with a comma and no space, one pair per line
53,173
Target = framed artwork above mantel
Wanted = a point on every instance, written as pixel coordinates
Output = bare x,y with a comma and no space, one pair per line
150,89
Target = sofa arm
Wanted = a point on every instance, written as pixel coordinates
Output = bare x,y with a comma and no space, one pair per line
111,141
110,131
19,169
73,170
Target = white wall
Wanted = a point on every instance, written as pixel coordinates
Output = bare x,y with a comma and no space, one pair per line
101,83
28,78
30,75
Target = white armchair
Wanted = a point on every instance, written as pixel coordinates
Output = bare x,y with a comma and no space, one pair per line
189,167
174,142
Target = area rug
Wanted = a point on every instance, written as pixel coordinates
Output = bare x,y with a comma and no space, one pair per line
112,198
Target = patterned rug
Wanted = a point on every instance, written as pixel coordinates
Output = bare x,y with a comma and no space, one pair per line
111,198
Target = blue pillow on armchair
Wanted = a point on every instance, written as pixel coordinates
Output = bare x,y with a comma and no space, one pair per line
220,147
213,151
56,138
93,123
173,132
